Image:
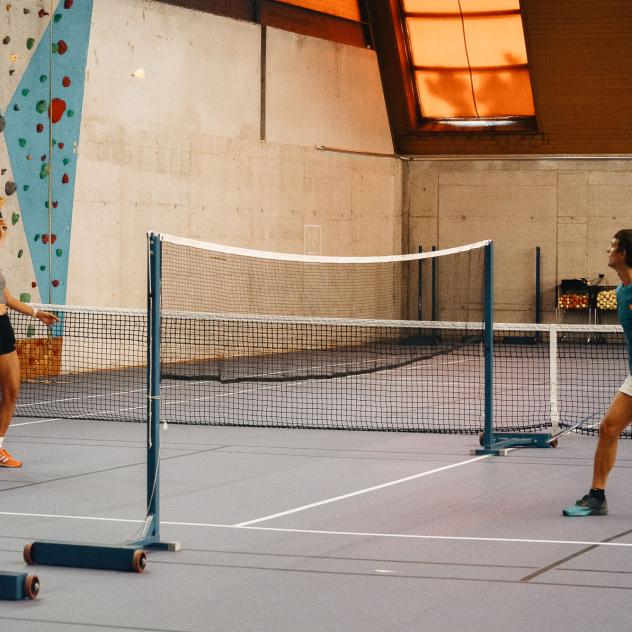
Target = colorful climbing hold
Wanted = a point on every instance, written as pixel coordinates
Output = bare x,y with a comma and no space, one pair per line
65,179
66,82
22,142
41,106
15,218
30,42
57,109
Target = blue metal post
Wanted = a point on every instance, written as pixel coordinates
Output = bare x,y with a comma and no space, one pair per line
433,288
151,533
153,368
489,346
538,295
420,303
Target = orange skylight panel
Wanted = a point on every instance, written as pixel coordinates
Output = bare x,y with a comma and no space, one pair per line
468,58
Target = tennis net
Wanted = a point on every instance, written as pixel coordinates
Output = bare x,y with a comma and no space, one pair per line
330,355
305,341
392,375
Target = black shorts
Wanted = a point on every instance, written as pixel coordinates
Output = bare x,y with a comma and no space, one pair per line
7,337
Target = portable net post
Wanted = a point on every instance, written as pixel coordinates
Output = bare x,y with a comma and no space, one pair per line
488,336
129,556
150,538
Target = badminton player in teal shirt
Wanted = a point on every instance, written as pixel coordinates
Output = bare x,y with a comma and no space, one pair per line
619,414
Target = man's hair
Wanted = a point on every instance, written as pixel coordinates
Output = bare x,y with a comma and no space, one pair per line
624,238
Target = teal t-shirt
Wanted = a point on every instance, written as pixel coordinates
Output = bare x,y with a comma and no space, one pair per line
624,311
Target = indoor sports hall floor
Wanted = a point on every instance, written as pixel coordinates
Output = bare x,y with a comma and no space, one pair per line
308,530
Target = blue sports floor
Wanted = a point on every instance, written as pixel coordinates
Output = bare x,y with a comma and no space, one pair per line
306,530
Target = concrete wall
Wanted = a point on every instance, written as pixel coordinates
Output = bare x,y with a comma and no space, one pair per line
570,208
180,150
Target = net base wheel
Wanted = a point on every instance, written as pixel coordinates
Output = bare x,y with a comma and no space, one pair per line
31,586
28,554
139,561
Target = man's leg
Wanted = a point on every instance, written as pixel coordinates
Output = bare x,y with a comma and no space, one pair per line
619,415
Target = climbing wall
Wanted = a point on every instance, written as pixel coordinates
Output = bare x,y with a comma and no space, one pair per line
42,68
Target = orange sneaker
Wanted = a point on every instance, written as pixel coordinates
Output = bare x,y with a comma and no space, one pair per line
6,460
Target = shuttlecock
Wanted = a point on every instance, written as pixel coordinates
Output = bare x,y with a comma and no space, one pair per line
139,73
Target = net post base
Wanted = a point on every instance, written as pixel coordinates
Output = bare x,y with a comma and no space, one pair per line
95,556
150,538
491,452
503,442
159,545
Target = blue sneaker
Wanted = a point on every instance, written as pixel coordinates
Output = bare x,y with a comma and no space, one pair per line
587,506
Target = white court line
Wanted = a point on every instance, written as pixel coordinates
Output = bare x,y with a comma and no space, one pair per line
362,491
357,534
39,421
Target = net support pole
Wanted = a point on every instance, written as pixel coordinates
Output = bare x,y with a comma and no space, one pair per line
488,336
433,288
555,413
420,310
538,293
151,532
